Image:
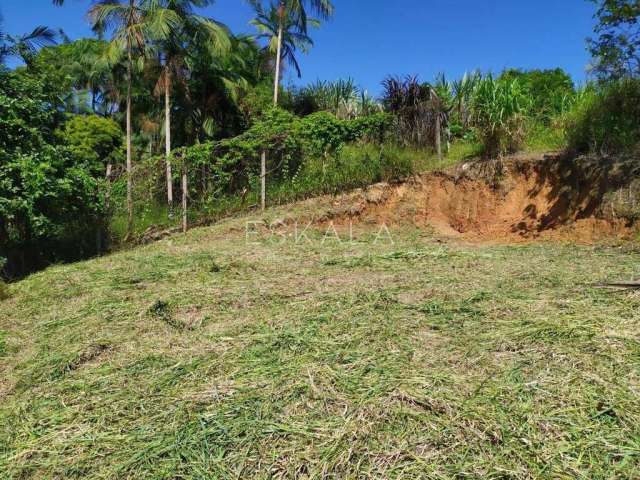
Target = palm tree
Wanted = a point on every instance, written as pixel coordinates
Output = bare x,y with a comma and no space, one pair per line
25,46
174,50
290,15
214,83
294,12
268,25
132,23
103,81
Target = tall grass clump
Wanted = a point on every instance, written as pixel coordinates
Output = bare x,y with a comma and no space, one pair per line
359,164
499,110
605,118
542,137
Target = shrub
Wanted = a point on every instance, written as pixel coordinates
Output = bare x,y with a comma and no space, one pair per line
301,153
550,90
324,133
230,165
605,118
93,142
370,128
48,204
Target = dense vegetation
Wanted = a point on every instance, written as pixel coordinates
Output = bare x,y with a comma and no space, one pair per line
51,203
100,133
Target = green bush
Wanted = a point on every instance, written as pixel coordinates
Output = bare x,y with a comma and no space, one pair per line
324,133
550,91
605,118
221,168
49,205
93,142
226,173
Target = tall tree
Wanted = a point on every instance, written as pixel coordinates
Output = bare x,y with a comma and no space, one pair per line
292,16
616,48
267,22
92,81
174,49
295,12
131,23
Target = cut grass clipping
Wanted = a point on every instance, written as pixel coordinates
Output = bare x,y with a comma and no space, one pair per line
204,357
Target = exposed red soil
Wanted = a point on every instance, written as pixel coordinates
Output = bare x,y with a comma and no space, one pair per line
534,199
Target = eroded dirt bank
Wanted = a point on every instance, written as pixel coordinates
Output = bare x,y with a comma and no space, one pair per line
515,200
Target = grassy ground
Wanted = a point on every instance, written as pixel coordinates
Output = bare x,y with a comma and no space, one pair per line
207,357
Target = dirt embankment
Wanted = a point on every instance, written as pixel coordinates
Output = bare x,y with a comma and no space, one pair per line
516,200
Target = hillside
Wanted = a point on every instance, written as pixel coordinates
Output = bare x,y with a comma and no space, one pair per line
418,350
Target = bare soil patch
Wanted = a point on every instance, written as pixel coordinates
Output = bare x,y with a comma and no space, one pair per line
520,199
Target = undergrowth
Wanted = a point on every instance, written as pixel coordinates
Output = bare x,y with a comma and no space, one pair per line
351,166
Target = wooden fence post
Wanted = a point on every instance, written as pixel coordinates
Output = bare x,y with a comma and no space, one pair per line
263,180
184,199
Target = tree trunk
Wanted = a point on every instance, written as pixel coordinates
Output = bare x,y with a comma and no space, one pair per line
129,159
276,88
263,180
438,136
276,92
107,194
184,200
167,137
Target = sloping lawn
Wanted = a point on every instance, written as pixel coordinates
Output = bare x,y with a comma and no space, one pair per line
205,357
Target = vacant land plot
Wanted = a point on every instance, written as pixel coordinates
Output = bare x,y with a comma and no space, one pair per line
206,357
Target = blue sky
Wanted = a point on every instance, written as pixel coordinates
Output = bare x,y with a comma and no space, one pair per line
369,39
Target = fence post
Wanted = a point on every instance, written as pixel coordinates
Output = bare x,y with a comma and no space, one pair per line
263,180
184,199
